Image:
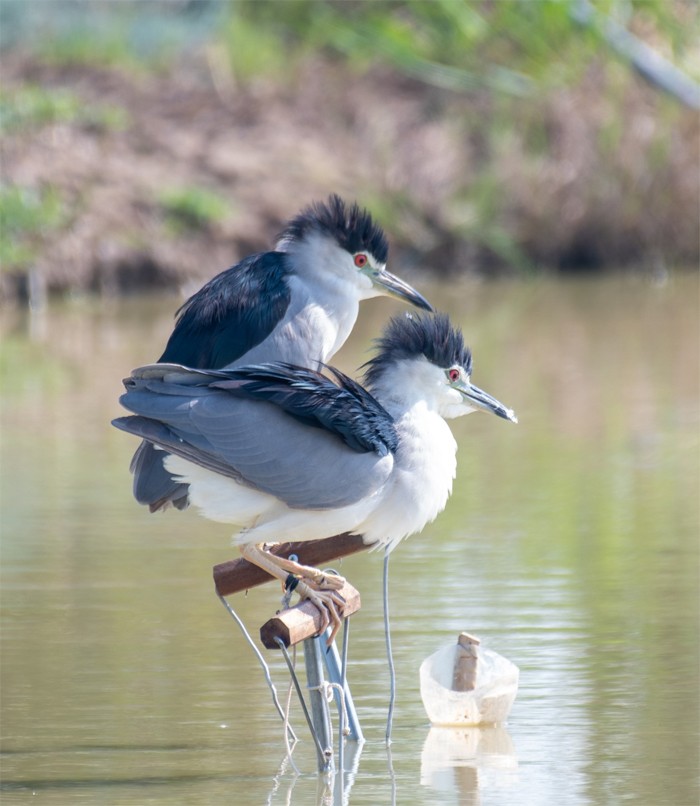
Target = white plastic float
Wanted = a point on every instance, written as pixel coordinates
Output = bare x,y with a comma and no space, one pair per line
465,684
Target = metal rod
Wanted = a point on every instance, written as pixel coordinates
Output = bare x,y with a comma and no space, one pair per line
390,658
319,706
295,680
338,790
336,674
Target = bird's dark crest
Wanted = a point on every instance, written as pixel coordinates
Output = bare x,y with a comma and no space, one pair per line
349,224
410,336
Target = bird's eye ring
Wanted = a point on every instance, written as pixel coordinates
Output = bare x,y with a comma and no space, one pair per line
360,260
453,374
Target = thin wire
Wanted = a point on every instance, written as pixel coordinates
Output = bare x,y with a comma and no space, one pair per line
295,680
265,667
390,659
342,721
290,748
281,771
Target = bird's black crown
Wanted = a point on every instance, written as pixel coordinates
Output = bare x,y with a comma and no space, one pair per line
350,225
410,336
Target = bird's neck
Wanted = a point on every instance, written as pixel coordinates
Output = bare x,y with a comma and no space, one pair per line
319,319
408,386
421,428
425,463
326,293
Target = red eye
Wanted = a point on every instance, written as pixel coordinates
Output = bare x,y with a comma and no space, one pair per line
453,374
360,260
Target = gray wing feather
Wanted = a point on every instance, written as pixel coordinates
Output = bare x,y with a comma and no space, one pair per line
153,485
254,442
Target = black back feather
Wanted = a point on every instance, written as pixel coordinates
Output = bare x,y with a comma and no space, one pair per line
350,225
342,407
230,314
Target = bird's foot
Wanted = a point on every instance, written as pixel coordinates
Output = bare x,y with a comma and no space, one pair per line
318,586
326,600
319,580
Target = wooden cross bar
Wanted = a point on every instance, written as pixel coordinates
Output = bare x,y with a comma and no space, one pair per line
302,621
239,575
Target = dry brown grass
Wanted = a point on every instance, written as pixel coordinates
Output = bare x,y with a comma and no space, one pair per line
599,176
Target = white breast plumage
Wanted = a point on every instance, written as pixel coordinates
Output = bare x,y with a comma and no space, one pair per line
426,463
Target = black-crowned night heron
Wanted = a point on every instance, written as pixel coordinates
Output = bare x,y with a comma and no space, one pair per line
297,304
286,453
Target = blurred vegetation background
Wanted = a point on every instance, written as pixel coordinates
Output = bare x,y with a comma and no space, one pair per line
152,144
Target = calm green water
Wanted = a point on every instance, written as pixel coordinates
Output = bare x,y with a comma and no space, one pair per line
570,546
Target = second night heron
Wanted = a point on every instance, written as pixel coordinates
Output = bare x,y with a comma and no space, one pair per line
296,304
287,453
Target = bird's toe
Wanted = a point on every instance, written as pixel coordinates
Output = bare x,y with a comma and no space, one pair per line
326,581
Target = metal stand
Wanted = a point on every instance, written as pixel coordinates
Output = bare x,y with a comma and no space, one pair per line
336,674
302,623
320,717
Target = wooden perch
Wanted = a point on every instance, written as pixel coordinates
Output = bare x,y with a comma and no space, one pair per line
240,575
304,620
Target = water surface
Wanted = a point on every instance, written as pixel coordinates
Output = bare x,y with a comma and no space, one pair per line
570,546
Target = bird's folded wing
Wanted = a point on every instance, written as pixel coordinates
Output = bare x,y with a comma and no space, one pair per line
153,485
340,406
253,441
231,314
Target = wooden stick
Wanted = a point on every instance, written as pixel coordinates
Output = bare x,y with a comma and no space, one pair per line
304,620
240,575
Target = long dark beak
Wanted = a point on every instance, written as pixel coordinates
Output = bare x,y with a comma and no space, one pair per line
396,287
482,400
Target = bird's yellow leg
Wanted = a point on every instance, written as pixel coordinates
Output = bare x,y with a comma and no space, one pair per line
319,588
313,576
